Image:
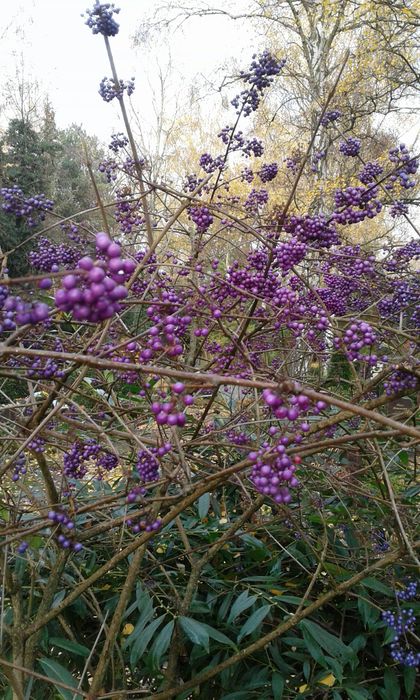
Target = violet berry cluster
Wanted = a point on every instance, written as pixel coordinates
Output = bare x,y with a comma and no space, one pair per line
268,172
19,467
350,147
401,650
49,257
370,172
75,461
101,19
330,116
94,291
172,412
33,209
360,335
65,530
201,217
260,75
109,89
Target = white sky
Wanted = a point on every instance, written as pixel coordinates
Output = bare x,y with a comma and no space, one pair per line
68,61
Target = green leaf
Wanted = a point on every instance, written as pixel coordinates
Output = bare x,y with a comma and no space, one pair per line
143,640
56,672
162,642
252,623
378,586
403,457
218,636
145,617
203,505
195,631
392,687
369,613
331,644
74,647
241,603
409,680
357,693
277,685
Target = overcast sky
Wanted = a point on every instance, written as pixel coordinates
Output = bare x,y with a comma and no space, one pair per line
60,52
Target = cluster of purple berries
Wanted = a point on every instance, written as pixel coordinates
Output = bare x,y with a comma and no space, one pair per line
370,172
313,230
94,291
290,253
404,622
128,214
144,525
33,209
37,444
253,147
410,251
350,147
108,89
268,172
100,19
19,467
201,217
260,75
408,166
400,380
16,312
379,540
409,592
398,208
330,116
273,472
147,465
256,200
117,142
247,175
358,204
75,466
62,520
210,164
45,370
49,257
234,140
359,336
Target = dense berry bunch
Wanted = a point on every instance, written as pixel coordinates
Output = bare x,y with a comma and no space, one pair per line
398,208
117,142
350,147
260,75
201,217
400,259
191,183
94,292
37,444
108,89
110,168
210,164
100,19
128,213
330,116
147,465
370,172
235,141
247,175
256,199
268,172
273,473
314,230
33,209
253,147
355,204
400,380
400,156
409,592
75,461
49,257
17,312
290,253
49,369
402,623
360,335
